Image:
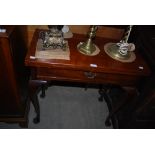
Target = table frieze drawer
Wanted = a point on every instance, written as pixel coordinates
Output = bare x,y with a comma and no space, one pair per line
84,76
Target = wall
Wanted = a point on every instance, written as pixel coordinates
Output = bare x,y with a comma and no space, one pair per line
103,31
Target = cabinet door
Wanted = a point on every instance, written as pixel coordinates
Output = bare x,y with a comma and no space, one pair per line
9,95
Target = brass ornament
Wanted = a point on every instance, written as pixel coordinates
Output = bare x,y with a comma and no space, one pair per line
53,38
122,51
112,50
88,47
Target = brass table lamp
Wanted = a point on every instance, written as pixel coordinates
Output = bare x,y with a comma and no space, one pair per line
88,47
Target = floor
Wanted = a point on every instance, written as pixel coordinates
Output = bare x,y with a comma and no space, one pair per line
68,108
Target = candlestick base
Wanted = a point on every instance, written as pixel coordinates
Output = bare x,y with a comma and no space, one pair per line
112,49
88,47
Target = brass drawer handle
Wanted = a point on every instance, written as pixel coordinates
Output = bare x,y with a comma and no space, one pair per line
90,75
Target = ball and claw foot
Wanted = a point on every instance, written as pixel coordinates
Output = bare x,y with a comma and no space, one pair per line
23,124
36,120
107,123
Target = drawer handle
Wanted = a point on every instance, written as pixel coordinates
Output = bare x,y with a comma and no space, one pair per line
90,75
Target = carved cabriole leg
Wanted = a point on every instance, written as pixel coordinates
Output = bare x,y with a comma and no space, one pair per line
34,87
43,89
103,91
114,110
129,97
25,122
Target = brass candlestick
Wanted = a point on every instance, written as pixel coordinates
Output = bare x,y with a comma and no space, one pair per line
121,51
88,47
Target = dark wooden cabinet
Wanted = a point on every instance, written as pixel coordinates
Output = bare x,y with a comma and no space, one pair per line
145,113
13,77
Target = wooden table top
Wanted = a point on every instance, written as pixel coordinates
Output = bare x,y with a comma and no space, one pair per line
79,61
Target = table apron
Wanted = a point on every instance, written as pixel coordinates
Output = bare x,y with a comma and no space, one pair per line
86,76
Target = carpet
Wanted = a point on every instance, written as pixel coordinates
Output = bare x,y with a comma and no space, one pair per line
68,108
